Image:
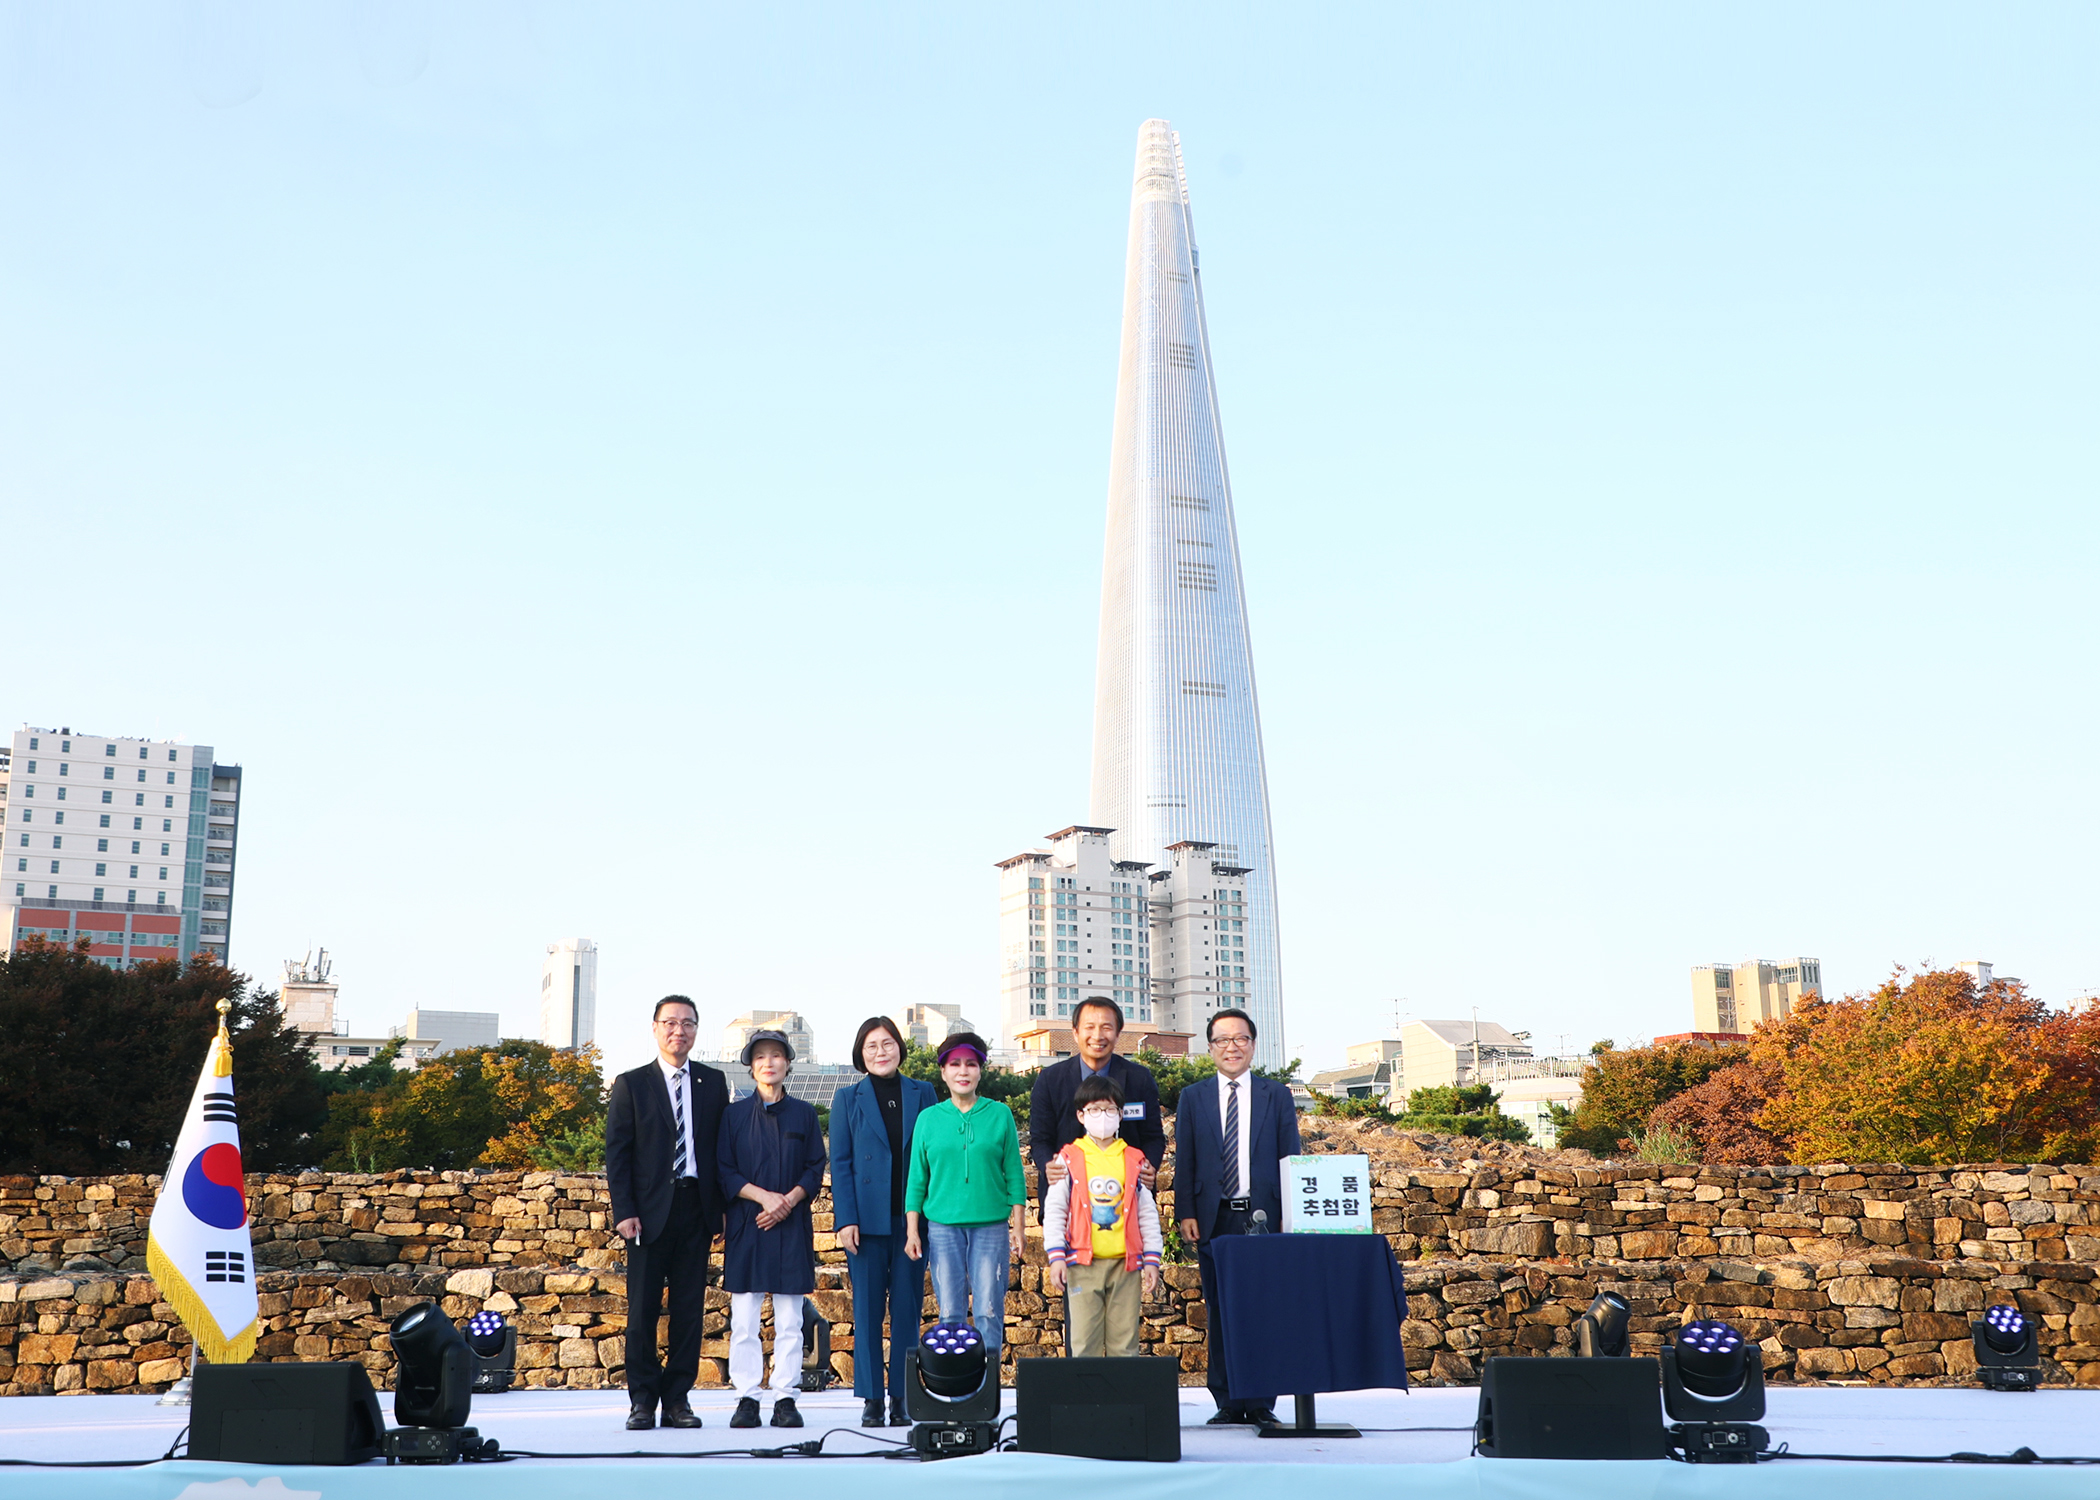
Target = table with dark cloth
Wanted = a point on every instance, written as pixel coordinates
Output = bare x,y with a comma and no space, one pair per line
1310,1313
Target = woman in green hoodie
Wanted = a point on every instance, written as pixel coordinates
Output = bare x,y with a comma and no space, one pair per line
966,1185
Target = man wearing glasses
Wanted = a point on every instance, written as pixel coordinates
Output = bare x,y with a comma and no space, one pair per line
660,1129
1230,1133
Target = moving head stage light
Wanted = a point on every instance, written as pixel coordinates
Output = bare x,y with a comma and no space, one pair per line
433,1391
1601,1330
495,1346
951,1393
2007,1356
1714,1390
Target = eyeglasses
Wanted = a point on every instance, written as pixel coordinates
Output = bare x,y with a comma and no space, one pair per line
679,1025
1106,1109
1231,1041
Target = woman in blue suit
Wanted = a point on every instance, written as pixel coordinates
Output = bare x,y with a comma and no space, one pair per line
871,1125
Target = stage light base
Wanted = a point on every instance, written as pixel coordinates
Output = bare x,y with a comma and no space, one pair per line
1719,1442
2004,1378
953,1439
435,1445
177,1394
1307,1425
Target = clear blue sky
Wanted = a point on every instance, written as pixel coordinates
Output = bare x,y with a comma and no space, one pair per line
643,477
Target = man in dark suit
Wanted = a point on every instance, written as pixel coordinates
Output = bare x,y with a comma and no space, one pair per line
1053,1123
661,1125
1230,1131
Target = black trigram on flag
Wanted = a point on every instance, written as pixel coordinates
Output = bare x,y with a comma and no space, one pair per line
224,1265
219,1108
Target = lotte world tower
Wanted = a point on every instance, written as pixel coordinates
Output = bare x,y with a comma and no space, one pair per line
1177,728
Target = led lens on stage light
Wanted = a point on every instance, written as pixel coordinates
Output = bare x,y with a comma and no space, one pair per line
952,1359
485,1333
1711,1359
2005,1329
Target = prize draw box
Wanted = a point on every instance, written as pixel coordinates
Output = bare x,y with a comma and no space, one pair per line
1326,1195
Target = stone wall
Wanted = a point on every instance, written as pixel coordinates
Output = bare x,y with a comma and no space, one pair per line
1842,1272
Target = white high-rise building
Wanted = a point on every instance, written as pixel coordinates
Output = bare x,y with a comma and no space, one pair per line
1201,954
1177,729
1170,946
128,843
1074,921
569,993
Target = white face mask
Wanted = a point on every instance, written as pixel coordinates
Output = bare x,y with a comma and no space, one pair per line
1101,1126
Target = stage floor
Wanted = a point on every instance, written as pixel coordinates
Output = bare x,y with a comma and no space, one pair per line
1217,1463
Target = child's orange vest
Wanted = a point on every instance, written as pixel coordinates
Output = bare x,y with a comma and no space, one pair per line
1079,1249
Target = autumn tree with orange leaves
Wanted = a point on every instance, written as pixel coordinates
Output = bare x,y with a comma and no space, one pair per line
1927,1069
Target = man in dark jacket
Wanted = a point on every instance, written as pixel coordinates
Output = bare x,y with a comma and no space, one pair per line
661,1125
1053,1122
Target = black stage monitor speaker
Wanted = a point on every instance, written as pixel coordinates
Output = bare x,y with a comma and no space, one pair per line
1570,1408
1100,1408
284,1414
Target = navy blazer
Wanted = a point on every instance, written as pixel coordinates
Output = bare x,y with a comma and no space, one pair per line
1053,1120
1199,1150
860,1152
638,1145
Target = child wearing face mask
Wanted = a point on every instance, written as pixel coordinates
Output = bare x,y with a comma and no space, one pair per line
1101,1230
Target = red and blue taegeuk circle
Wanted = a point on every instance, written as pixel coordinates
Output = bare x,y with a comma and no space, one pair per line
211,1187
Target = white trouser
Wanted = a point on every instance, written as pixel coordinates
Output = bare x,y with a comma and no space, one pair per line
747,1351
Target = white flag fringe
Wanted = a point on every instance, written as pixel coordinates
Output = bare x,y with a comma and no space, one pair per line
197,1246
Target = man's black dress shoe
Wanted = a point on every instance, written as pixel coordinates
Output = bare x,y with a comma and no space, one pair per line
746,1413
898,1416
680,1414
871,1412
641,1415
784,1413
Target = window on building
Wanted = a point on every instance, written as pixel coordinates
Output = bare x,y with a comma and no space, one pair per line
57,842
171,778
102,846
142,752
33,743
161,899
133,876
101,870
134,846
166,825
142,775
163,851
54,870
98,893
164,872
169,803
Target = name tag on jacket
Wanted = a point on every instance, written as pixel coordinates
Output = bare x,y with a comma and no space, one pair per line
1134,1111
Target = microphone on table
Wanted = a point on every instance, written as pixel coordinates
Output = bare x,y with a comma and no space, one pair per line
1261,1221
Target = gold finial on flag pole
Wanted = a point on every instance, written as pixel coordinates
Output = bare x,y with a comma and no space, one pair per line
222,1047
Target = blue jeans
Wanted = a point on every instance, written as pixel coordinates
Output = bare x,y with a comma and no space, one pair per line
969,1263
884,1277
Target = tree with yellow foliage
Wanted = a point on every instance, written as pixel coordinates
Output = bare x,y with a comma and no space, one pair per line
516,1104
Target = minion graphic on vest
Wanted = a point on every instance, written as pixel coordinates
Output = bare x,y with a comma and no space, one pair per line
1106,1194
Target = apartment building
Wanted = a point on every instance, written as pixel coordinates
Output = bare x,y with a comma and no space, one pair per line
129,843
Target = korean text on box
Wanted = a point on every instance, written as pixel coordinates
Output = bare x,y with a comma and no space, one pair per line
1327,1195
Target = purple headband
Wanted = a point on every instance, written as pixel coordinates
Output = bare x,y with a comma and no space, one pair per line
949,1050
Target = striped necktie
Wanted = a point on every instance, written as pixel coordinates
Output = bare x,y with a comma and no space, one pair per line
1232,1139
678,1123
